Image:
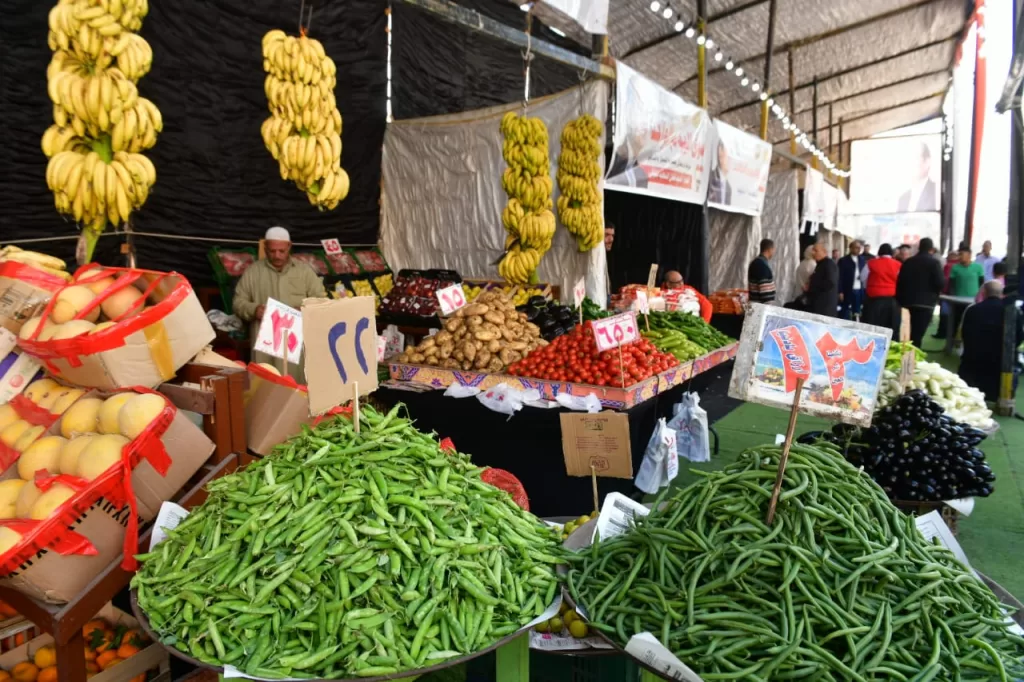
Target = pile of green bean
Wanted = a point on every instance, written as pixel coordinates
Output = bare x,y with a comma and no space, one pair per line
348,555
842,586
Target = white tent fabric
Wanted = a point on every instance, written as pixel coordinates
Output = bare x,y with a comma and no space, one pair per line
442,198
734,241
780,222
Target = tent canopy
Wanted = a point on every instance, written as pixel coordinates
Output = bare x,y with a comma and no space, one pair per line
880,64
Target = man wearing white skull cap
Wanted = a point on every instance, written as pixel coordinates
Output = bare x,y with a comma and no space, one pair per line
278,276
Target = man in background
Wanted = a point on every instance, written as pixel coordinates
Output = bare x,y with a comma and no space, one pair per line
719,189
982,332
918,287
986,260
965,280
835,255
760,278
823,289
674,282
851,286
902,252
998,275
866,252
923,194
278,276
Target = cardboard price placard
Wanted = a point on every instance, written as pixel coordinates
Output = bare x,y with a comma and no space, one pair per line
836,365
597,440
281,326
652,276
451,298
615,331
341,350
332,247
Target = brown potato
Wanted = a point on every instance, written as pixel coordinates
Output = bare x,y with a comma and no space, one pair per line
482,358
443,337
508,334
482,335
403,358
473,309
508,356
490,327
453,324
433,360
475,321
494,345
417,358
426,343
495,317
523,317
449,363
458,354
466,364
532,329
469,350
461,333
495,365
446,348
517,345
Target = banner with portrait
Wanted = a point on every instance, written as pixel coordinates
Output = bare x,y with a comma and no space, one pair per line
662,144
739,171
814,196
896,175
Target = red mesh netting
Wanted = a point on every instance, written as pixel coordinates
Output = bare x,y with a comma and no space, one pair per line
503,480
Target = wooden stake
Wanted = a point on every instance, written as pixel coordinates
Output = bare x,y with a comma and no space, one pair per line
284,352
593,481
355,404
785,453
647,320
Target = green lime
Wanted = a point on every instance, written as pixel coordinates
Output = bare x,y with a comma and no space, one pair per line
556,625
578,629
541,627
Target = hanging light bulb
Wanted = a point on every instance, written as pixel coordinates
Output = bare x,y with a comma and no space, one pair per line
728,65
655,6
710,43
771,102
701,40
690,32
718,56
764,96
667,13
755,87
739,71
744,82
679,26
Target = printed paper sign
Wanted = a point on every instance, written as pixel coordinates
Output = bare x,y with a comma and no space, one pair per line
451,298
281,327
814,197
579,292
615,331
341,348
739,175
646,648
662,143
617,514
332,247
840,362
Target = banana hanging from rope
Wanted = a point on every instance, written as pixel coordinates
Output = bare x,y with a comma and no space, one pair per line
527,216
96,171
303,133
579,172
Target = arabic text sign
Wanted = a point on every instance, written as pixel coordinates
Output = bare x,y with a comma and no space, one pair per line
841,363
281,326
579,292
739,176
341,344
451,298
615,331
331,246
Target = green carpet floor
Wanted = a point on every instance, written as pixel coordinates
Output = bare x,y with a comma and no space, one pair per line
992,537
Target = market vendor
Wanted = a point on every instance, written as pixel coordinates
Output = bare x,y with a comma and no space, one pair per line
674,282
278,276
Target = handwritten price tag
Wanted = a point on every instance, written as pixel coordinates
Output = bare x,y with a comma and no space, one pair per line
331,246
451,299
342,349
615,331
579,292
643,306
281,326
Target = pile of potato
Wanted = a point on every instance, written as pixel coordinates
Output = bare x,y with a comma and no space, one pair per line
487,335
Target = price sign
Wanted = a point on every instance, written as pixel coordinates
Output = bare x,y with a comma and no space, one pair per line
395,341
615,331
382,345
341,344
451,298
643,306
652,276
579,292
281,327
331,246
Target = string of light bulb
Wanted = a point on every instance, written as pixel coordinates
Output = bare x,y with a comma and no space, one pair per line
664,9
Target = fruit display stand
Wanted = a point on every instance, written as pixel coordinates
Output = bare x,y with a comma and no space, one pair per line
64,622
529,445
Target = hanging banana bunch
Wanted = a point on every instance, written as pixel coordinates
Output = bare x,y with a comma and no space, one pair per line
96,171
303,132
579,171
527,182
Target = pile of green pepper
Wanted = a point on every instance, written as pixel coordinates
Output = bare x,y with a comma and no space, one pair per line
842,586
693,326
348,555
675,342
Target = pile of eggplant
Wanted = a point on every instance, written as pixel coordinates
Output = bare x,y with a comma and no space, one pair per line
918,453
553,319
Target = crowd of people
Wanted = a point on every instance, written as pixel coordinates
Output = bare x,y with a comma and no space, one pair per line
874,289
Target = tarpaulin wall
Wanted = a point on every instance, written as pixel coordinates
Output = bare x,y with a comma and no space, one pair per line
442,196
780,222
734,242
653,230
214,176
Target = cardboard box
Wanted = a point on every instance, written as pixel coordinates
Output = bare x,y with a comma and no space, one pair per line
24,291
17,370
57,578
597,440
146,357
153,656
16,631
273,412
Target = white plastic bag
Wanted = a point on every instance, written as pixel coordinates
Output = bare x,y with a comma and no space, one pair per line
589,403
660,463
505,399
690,422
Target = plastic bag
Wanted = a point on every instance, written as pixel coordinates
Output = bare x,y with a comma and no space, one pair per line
505,399
690,422
660,464
589,403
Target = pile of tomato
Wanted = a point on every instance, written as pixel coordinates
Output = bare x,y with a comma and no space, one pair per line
574,357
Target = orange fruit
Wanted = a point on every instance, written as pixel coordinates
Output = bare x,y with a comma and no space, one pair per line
102,640
4,676
48,674
25,672
91,668
111,663
127,650
45,657
92,625
138,678
104,659
90,655
136,637
6,610
19,639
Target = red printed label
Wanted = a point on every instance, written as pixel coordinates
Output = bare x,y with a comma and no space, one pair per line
795,359
836,356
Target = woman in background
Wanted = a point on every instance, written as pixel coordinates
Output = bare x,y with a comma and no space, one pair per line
879,277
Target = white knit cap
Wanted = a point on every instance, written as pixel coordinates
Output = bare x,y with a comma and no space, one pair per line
277,234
